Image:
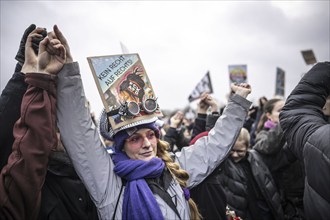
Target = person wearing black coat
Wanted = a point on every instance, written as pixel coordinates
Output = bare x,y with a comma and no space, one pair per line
249,186
287,171
175,133
63,195
307,132
209,194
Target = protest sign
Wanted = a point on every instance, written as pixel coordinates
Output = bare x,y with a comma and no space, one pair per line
122,79
308,56
237,73
280,82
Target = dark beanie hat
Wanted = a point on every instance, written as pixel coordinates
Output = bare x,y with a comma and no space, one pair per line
121,136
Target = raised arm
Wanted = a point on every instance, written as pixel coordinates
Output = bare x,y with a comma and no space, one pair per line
200,159
81,138
11,98
22,178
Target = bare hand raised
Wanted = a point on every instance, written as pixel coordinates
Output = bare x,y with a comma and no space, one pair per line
51,61
176,119
47,61
31,61
242,89
57,34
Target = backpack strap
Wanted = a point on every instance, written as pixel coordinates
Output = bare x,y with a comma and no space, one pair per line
160,185
155,188
121,190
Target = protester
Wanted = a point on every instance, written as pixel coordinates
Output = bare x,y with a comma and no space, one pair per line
140,181
307,133
260,110
12,96
249,187
175,133
35,135
287,171
270,116
208,195
63,195
251,118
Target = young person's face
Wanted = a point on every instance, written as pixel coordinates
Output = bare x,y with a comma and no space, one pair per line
239,151
274,116
142,145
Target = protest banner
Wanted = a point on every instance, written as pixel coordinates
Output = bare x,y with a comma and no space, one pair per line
122,79
204,85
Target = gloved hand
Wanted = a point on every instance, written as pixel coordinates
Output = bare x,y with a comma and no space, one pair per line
20,56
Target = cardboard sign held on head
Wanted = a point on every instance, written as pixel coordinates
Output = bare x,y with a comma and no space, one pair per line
125,89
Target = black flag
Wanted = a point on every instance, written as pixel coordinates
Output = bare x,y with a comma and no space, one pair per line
205,85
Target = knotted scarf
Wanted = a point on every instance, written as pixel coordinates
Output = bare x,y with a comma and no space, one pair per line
139,201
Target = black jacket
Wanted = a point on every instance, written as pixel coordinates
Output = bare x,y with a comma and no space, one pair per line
209,195
235,183
63,194
10,106
308,135
288,173
176,137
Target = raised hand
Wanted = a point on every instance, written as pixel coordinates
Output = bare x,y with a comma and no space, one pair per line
57,34
176,119
212,103
20,56
51,61
202,105
242,89
30,62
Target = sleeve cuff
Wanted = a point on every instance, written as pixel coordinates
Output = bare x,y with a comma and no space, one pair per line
42,80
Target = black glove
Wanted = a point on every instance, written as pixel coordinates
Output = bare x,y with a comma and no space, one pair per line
20,56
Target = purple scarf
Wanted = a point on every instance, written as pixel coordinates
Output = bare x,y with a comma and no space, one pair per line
269,124
139,202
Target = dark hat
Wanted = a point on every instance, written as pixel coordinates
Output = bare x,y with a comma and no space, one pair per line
108,133
120,137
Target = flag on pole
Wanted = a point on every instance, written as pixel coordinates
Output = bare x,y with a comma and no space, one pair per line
308,56
205,85
280,82
237,73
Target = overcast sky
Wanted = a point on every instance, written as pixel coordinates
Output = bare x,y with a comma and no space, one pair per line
179,42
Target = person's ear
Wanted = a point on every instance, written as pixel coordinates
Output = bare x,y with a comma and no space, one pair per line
268,115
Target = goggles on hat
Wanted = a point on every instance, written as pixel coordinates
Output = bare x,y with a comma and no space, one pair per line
131,108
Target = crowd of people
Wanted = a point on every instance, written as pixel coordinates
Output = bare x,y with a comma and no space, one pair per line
267,162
